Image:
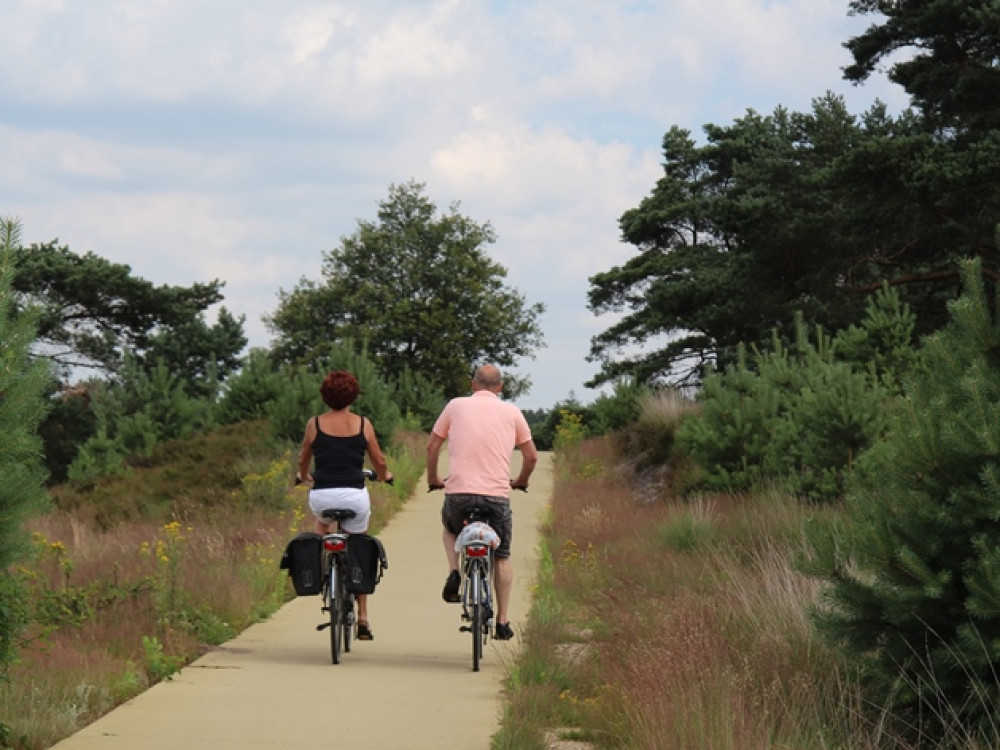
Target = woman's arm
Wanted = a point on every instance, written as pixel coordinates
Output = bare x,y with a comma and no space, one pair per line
306,452
375,453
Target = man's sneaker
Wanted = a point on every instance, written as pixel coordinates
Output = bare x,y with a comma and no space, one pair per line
503,631
451,586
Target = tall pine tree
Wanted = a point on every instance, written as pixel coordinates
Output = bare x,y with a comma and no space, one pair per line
913,570
22,407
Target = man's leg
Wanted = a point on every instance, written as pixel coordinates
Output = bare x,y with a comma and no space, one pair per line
503,580
449,548
454,582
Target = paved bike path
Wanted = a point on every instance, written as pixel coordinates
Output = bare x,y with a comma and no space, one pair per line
411,688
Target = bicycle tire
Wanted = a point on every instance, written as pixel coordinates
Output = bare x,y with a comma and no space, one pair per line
348,621
476,591
336,611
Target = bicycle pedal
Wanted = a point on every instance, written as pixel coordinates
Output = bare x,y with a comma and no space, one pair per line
324,625
465,629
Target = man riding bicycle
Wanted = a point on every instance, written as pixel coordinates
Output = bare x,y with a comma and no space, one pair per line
482,432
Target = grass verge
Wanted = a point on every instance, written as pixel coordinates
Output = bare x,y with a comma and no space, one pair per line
668,623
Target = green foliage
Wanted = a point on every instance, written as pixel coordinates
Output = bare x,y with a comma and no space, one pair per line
200,471
300,399
912,571
794,212
22,407
801,415
95,311
540,434
202,355
885,340
69,423
728,439
949,68
268,488
544,431
159,664
620,408
420,289
99,457
134,414
150,405
247,393
418,398
569,434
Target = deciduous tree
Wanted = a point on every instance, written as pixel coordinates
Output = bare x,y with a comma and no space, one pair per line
419,289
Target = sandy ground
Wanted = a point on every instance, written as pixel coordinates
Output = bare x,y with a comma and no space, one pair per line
411,688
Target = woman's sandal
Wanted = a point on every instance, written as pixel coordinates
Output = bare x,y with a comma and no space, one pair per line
365,632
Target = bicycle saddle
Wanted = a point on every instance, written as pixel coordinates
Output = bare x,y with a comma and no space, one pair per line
337,514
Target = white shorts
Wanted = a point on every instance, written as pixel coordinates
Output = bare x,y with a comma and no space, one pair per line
343,497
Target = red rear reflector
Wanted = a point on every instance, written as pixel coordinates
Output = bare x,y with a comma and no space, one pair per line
334,545
478,551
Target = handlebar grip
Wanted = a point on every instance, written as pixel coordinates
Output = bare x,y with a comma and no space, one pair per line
372,476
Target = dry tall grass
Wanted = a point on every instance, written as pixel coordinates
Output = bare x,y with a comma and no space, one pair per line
120,607
675,625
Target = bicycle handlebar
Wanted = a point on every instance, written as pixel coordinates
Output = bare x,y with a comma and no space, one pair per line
370,474
522,487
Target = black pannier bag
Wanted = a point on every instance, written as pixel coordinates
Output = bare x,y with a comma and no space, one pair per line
366,561
303,559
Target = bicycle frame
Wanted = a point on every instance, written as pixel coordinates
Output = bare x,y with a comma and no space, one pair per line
477,602
337,601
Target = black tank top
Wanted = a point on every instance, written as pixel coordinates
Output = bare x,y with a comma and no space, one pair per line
339,460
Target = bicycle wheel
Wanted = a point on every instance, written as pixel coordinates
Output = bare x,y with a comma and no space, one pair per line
336,612
476,597
348,621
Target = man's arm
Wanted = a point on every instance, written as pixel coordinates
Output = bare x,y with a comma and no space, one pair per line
529,457
433,453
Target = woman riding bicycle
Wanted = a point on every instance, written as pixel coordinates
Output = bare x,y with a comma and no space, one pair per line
338,441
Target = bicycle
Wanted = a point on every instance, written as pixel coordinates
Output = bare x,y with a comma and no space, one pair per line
476,570
336,600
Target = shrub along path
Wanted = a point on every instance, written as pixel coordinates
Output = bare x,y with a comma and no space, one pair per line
412,687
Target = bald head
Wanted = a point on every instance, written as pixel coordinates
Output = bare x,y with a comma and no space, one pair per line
487,378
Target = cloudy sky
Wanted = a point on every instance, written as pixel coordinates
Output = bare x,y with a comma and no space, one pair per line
239,139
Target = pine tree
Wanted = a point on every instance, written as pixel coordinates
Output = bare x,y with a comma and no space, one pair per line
22,407
800,415
913,571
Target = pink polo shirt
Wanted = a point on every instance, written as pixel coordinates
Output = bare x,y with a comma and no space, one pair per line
481,431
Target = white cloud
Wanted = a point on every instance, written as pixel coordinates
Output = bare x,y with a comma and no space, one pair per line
239,139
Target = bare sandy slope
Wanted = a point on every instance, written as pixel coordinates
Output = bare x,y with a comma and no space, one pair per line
412,687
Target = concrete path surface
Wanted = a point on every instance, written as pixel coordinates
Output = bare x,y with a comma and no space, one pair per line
413,687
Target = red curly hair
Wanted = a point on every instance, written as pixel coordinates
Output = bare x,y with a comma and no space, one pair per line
339,389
